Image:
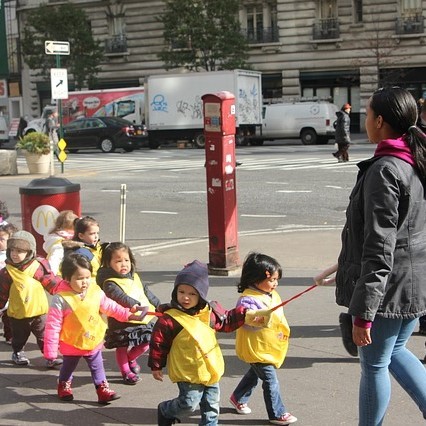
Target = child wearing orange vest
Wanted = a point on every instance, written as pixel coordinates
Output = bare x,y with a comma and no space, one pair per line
74,324
118,278
184,338
23,282
263,348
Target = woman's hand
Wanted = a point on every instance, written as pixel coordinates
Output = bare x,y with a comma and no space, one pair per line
361,336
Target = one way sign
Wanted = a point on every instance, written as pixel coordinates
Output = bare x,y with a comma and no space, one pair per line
59,83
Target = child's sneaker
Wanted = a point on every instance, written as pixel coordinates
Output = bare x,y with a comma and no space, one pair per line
135,367
131,378
105,393
285,419
162,420
239,408
65,391
19,358
52,363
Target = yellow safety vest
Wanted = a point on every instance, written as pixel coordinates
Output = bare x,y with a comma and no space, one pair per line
96,259
27,297
84,328
266,345
134,289
195,355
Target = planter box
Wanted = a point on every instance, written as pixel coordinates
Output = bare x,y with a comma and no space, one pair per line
37,163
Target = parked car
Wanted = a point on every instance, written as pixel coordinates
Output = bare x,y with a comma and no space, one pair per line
104,133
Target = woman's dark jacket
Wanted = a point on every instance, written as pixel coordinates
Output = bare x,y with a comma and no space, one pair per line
343,124
382,264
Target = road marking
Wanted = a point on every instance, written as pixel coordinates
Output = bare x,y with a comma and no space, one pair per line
156,212
191,192
334,187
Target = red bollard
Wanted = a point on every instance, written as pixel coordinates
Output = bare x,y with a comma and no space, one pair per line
219,132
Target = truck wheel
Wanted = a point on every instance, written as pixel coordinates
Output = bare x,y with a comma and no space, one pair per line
308,137
107,145
200,141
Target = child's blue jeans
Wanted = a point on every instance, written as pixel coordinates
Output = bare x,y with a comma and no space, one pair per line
190,396
271,388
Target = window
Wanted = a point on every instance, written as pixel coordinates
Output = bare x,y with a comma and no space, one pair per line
357,11
117,40
327,26
259,21
411,19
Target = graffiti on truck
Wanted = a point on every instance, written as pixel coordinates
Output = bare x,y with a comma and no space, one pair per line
248,104
193,110
159,103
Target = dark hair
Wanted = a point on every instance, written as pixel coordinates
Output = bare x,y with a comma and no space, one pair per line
82,224
399,110
254,270
8,229
72,262
108,250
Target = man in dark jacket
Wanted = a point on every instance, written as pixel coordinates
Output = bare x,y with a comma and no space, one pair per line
342,136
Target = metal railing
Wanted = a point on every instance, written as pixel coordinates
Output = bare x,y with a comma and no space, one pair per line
116,44
326,29
411,24
261,35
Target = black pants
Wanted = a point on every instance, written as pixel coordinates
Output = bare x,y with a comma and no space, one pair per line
342,151
22,328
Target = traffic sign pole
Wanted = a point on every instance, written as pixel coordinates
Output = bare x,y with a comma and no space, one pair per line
61,130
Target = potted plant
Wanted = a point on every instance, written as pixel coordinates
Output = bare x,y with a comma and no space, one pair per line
36,148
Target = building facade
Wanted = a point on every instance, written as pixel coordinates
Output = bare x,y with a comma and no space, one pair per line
337,49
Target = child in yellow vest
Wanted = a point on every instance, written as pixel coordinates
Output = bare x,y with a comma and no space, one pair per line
23,281
118,278
75,326
61,232
184,338
86,241
263,348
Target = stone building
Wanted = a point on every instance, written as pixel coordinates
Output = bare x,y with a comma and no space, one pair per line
338,49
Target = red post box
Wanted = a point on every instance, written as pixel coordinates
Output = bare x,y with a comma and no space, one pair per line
41,202
219,132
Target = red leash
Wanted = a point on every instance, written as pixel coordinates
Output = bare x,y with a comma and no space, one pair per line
294,297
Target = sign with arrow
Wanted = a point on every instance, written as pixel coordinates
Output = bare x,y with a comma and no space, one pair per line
59,83
57,47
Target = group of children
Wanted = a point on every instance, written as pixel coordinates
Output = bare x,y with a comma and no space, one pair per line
88,280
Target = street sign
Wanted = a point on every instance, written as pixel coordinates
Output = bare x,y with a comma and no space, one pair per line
57,47
59,83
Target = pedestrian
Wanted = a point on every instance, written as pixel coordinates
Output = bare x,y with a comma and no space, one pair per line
62,231
258,283
5,233
119,280
342,135
4,212
51,126
75,326
86,241
182,337
381,268
23,283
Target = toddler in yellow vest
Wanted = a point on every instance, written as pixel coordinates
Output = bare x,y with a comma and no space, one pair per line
118,278
263,348
75,326
184,338
23,281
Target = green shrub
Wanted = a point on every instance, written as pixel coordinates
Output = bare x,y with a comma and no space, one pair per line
35,142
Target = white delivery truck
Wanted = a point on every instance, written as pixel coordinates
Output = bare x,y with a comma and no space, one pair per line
311,121
174,108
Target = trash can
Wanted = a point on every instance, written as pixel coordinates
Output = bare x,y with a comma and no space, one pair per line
41,202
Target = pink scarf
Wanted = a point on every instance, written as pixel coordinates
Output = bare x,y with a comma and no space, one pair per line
395,148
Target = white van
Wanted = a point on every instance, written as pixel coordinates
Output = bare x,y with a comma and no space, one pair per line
311,121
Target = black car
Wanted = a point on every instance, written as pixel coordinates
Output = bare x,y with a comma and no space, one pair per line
105,133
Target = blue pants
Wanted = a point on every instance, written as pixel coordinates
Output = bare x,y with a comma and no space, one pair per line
271,388
190,396
387,354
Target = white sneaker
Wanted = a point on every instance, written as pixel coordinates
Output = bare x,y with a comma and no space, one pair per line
285,419
239,408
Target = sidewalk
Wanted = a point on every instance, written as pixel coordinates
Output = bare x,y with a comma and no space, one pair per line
319,381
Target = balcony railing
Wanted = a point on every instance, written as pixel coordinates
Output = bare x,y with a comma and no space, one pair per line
116,44
261,35
326,29
411,24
